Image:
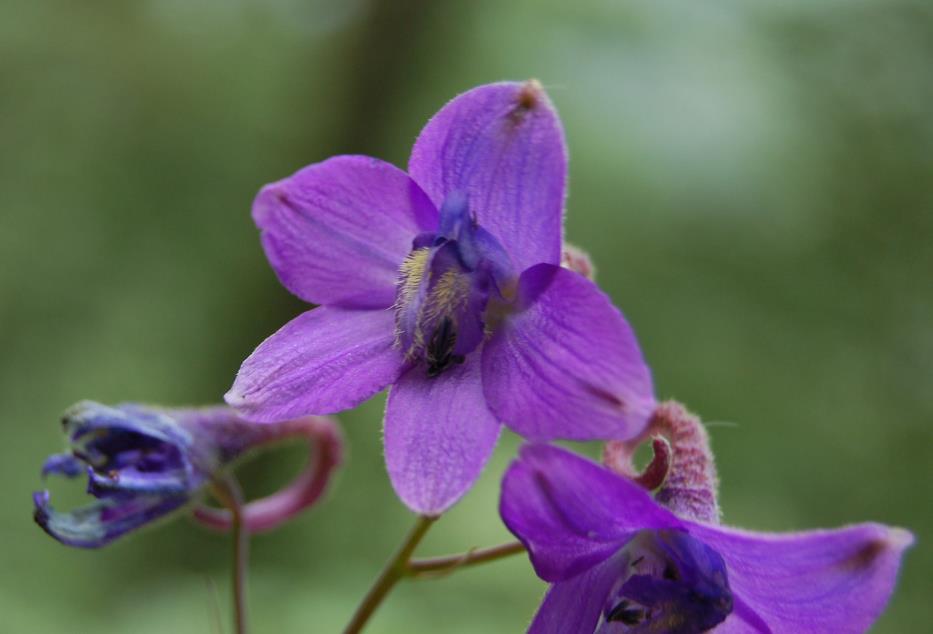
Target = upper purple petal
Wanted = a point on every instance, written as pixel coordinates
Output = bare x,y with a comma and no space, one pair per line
336,232
574,606
130,448
567,364
438,436
822,581
63,464
503,146
87,423
324,361
572,513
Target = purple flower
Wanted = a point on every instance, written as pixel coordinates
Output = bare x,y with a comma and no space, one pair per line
144,463
446,284
619,562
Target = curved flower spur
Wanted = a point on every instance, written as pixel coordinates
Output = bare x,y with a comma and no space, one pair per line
620,562
446,284
146,463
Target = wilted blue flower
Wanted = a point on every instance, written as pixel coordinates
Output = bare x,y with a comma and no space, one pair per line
143,463
445,283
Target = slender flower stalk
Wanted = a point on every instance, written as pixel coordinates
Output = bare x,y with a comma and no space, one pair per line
227,490
441,566
394,570
401,565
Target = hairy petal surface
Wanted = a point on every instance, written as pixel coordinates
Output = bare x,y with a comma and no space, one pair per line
336,232
822,581
503,146
438,436
324,361
572,513
567,364
574,606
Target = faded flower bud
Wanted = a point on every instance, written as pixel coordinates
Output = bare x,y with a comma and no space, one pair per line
144,463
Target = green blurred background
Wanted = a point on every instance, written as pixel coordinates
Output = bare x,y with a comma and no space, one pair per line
753,180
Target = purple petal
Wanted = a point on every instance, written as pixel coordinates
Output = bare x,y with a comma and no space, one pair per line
134,448
88,423
324,361
567,364
574,606
815,581
502,145
438,436
97,524
336,232
62,464
571,513
174,481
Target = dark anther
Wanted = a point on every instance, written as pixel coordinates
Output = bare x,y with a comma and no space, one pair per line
626,613
670,572
440,349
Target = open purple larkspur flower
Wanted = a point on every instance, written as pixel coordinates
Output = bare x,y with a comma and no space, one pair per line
445,283
621,563
145,463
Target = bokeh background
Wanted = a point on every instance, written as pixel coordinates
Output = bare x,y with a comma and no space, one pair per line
753,180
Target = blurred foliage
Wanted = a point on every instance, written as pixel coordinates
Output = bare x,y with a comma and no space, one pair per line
752,179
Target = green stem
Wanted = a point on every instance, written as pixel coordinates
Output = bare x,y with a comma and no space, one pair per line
444,565
227,491
394,570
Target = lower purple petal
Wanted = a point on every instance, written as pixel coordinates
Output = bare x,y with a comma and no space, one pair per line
575,606
567,365
99,523
438,436
815,581
322,362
